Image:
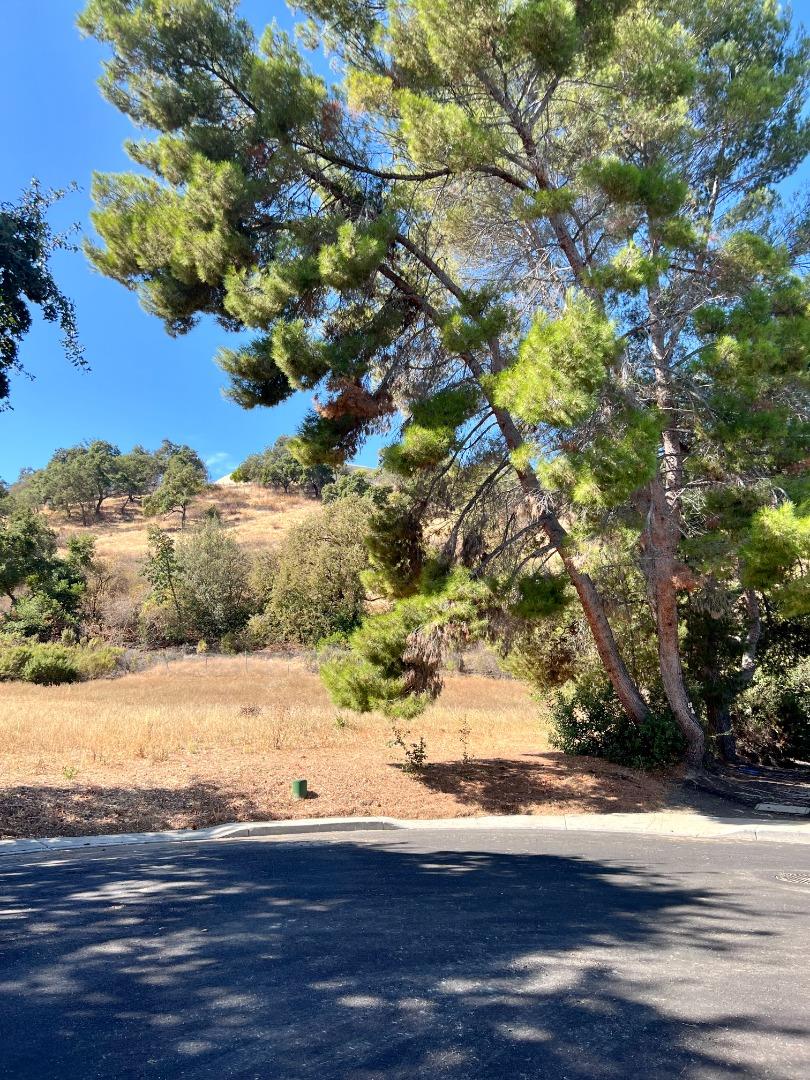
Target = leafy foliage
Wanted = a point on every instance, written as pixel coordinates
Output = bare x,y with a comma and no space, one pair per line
278,467
588,719
27,549
200,586
49,663
26,246
396,656
355,484
396,551
183,479
777,556
772,721
212,582
46,590
311,586
82,478
561,365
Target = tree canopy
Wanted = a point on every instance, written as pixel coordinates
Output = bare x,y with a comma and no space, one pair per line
184,477
547,238
277,467
80,479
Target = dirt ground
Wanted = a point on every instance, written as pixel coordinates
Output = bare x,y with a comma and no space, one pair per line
196,742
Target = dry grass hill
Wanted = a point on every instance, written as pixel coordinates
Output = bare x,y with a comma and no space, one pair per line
257,516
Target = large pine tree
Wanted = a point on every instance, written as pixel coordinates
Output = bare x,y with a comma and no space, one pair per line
547,232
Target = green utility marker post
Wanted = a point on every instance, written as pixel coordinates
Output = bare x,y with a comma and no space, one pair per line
299,789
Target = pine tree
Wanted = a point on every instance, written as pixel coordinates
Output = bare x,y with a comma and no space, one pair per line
549,235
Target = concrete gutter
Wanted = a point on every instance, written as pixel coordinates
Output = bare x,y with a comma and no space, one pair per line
663,823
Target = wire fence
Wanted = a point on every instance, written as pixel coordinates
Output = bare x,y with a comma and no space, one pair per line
477,661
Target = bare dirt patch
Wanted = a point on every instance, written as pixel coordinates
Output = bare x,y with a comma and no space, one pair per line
201,742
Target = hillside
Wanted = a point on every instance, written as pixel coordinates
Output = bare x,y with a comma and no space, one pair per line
257,517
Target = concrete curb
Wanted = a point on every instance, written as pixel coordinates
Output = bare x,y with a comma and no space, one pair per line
694,826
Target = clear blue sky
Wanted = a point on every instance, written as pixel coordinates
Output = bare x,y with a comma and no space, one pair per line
143,385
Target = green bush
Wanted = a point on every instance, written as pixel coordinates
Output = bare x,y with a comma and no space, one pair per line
772,722
51,664
13,659
159,624
236,641
312,585
212,583
99,662
587,718
39,617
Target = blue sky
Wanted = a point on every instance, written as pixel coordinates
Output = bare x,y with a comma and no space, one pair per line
143,386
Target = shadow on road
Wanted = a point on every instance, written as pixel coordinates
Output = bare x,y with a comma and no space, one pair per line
362,961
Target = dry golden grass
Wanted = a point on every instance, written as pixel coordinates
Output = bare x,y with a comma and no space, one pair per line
255,705
217,740
257,517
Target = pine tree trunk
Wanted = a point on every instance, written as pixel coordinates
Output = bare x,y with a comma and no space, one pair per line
669,659
661,539
606,646
660,544
594,609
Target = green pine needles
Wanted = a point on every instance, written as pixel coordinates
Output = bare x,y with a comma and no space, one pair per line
561,365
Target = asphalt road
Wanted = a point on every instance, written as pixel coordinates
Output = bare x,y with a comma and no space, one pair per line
445,954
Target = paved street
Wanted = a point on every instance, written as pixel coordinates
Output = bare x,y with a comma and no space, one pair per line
447,954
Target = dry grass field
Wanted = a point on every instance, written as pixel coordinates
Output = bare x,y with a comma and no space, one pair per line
199,742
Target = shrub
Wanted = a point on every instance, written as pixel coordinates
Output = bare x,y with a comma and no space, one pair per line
588,718
549,653
313,585
236,641
772,725
415,752
39,617
263,573
159,624
97,663
355,484
50,664
212,583
13,659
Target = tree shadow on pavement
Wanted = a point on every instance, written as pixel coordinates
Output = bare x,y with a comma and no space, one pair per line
354,960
